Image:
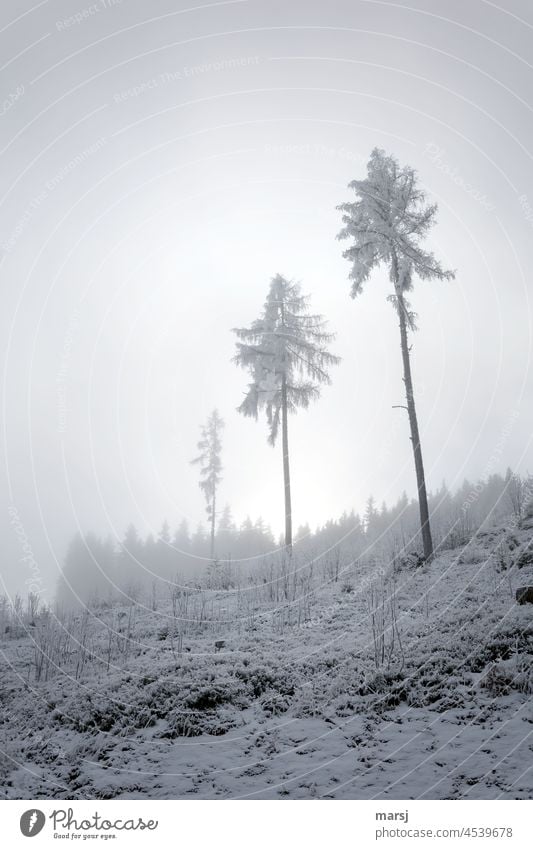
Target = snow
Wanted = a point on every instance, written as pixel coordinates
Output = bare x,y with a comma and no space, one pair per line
296,711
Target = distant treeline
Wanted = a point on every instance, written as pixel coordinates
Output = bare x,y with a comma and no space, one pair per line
107,571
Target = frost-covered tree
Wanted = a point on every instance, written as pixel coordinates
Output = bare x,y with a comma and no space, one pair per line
165,564
285,352
88,574
210,462
181,541
371,514
226,533
386,224
130,560
515,492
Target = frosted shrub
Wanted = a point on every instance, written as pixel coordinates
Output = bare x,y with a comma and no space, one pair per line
473,553
499,680
382,605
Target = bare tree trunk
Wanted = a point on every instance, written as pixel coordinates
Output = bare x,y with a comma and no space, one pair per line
427,542
213,520
214,503
286,469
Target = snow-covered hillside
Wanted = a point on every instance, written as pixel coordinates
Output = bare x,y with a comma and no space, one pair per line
374,683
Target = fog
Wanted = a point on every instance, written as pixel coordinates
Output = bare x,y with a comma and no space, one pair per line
160,165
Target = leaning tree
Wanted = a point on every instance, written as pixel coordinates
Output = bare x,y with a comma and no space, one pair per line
210,462
386,224
285,352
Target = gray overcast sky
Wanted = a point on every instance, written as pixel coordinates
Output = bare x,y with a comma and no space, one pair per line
161,161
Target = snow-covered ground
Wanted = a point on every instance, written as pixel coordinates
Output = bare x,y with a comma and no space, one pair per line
440,706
